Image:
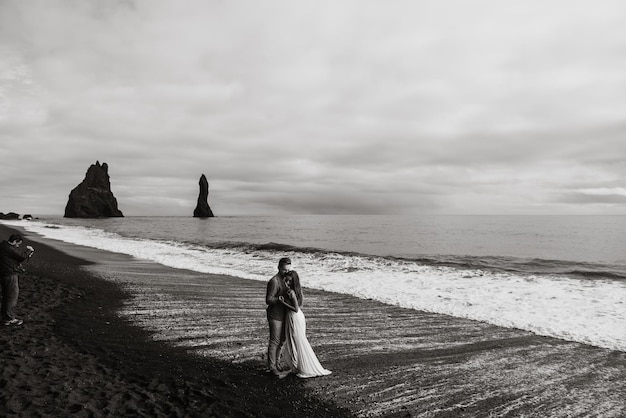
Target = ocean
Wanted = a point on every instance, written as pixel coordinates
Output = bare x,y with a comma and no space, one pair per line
557,276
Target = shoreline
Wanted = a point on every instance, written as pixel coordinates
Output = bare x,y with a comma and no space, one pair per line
386,361
75,355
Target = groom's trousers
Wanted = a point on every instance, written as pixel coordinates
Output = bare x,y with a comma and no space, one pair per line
277,338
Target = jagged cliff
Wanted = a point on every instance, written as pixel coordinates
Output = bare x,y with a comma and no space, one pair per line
202,208
93,198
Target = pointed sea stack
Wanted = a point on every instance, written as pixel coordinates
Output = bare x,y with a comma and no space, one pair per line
202,208
93,197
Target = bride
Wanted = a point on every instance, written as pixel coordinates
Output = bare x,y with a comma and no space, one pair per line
298,353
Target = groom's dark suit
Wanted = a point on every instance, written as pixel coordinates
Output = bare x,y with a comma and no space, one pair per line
276,313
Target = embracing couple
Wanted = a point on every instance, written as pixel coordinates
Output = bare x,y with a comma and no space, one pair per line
288,326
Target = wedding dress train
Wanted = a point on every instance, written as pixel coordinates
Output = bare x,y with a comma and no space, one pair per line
299,355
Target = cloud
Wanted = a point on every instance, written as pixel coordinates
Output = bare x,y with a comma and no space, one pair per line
595,196
426,106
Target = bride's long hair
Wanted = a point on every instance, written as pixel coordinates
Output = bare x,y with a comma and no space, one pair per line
294,284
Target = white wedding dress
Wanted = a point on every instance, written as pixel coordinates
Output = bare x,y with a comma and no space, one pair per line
298,353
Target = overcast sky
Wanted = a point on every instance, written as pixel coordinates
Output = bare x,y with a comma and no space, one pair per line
316,107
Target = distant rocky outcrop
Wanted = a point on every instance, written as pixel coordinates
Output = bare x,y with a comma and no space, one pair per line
9,216
93,197
202,208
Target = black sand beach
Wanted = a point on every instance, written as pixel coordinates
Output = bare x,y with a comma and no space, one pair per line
74,356
81,352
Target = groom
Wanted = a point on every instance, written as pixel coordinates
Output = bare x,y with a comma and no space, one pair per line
276,313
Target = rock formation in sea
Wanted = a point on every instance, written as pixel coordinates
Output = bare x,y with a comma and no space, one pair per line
202,208
9,216
93,198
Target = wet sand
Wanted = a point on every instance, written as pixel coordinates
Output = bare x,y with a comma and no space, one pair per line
108,335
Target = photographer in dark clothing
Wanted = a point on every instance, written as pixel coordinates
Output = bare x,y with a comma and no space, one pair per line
10,265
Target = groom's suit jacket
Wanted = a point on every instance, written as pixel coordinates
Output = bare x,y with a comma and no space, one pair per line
276,287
